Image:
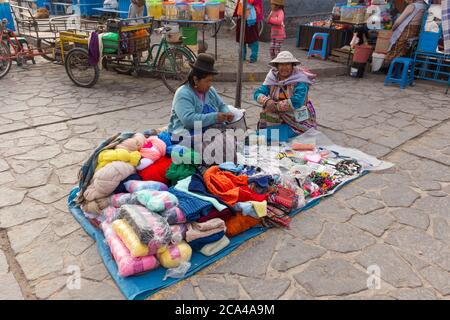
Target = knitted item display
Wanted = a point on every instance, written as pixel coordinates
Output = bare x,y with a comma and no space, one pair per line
224,184
173,216
156,171
157,201
108,156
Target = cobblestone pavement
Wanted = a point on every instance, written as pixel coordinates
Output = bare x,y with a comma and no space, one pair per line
398,219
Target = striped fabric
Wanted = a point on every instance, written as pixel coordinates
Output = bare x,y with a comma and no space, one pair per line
446,24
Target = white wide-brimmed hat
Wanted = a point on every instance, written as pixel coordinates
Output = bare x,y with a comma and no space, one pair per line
284,57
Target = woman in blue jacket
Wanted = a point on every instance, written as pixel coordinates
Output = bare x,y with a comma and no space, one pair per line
287,112
197,100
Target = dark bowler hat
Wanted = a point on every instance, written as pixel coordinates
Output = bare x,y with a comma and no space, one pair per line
204,63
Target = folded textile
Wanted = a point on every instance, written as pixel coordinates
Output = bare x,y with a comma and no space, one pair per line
276,218
232,167
246,194
157,201
173,255
197,185
239,223
177,172
260,181
224,184
260,208
134,143
151,229
95,206
285,199
129,238
199,243
127,265
174,216
225,214
183,185
121,187
108,156
246,208
156,171
191,206
107,179
119,199
196,230
135,186
214,247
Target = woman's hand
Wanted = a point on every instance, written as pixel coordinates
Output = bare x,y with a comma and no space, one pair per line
271,106
222,117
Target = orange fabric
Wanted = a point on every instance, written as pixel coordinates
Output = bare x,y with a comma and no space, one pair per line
239,223
224,184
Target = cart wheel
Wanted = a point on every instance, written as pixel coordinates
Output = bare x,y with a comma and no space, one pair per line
44,47
79,70
173,65
5,59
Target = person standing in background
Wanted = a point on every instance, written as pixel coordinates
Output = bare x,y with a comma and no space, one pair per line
136,9
278,31
251,38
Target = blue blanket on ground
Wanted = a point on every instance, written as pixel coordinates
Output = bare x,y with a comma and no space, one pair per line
141,286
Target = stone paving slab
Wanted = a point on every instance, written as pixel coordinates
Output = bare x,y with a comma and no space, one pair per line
363,224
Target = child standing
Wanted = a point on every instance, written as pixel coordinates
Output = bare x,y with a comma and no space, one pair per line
278,32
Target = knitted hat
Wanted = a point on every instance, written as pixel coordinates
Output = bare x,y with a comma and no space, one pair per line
157,171
277,2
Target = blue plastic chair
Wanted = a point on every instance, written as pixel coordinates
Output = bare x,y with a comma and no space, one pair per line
322,52
401,71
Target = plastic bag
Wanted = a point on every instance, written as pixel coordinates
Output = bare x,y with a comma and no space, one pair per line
157,201
178,272
151,229
136,185
174,216
172,256
129,238
119,199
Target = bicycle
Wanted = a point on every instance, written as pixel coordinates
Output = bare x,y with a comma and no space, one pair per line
21,50
132,55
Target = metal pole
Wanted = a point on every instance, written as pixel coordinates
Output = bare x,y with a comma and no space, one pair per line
241,56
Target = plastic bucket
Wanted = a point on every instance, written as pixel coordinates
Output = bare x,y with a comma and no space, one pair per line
198,11
377,61
213,10
189,35
362,53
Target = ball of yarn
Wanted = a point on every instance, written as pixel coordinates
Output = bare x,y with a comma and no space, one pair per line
132,144
156,171
172,256
156,151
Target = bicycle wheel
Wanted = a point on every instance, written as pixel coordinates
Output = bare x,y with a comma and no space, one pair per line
5,59
44,46
174,68
79,70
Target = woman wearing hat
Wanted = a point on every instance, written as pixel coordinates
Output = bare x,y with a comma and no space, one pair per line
287,112
197,100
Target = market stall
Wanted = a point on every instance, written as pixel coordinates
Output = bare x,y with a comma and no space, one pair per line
159,215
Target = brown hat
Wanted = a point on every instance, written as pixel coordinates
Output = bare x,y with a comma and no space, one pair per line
204,63
277,2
